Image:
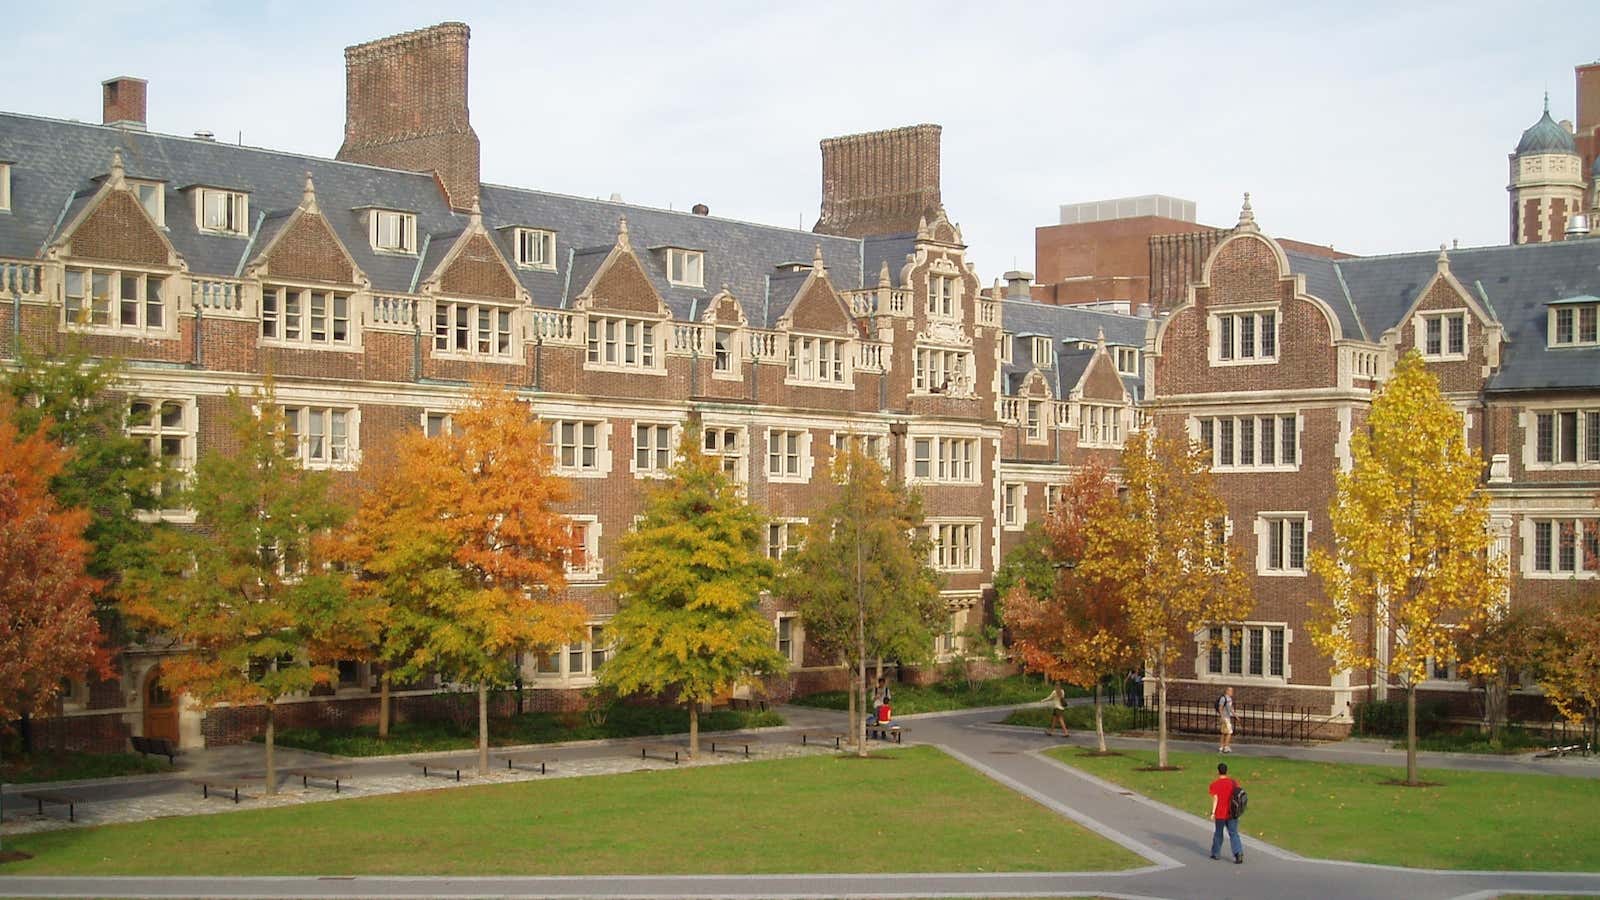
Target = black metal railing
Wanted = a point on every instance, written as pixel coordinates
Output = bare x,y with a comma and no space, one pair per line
1251,721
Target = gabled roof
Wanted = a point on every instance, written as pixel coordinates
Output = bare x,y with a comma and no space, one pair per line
1064,325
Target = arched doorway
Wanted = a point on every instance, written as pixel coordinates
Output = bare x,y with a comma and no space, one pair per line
160,708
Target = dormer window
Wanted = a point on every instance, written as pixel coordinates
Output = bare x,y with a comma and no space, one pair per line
1043,352
222,211
1007,340
1442,335
1127,360
394,231
5,186
153,197
686,267
1575,323
536,248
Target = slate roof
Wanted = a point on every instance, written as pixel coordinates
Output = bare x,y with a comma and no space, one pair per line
1066,325
891,248
55,160
1545,136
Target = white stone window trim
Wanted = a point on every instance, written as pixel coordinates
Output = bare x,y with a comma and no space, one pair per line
301,428
513,355
563,653
392,232
1267,519
805,463
674,436
1092,424
974,546
188,428
937,449
602,450
840,362
611,333
1007,346
353,332
1527,565
114,273
156,190
1528,417
446,419
1035,426
787,534
741,455
543,238
593,566
944,294
1014,515
727,361
1214,336
5,187
1552,332
796,652
681,261
1419,333
1043,351
236,204
956,364
1202,659
1197,435
1131,355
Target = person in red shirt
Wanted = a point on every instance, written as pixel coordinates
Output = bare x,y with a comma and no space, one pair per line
1222,814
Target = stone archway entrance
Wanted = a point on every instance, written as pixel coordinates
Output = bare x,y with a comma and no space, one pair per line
160,708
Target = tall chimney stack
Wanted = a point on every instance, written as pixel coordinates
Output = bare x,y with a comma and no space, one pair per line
122,102
880,182
406,107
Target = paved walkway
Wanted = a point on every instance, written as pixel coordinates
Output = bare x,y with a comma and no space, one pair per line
1174,844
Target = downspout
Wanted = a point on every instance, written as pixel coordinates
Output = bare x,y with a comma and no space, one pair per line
16,323
199,345
538,362
416,346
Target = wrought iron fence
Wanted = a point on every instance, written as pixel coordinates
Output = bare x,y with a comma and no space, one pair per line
1262,721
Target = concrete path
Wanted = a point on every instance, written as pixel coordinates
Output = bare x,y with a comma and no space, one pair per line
1175,845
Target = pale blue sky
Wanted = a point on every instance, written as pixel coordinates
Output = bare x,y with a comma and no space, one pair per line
1376,127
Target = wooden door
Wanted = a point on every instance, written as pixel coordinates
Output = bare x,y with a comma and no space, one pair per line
160,709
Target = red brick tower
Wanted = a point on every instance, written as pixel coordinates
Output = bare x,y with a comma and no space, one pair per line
406,107
879,182
1587,138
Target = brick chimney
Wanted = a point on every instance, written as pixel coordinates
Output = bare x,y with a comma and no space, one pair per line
406,107
122,102
880,182
1588,129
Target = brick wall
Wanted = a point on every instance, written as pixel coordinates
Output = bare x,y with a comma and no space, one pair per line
879,182
118,229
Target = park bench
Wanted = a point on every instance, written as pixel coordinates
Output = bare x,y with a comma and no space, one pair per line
748,703
822,737
323,775
524,764
885,732
207,785
43,797
442,766
150,746
664,752
729,743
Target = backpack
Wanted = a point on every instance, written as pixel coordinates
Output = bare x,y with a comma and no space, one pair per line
1219,703
1238,802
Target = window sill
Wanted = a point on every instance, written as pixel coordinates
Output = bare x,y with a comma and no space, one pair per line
394,251
624,369
1282,573
127,331
1253,470
1257,361
309,345
227,234
580,473
537,267
1230,678
514,359
1444,357
847,385
1561,576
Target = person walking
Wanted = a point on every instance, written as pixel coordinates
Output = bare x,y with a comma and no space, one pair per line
1225,720
1058,710
1224,816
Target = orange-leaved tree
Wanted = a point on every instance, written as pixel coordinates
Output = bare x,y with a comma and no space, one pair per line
1159,550
460,546
246,596
48,630
1079,632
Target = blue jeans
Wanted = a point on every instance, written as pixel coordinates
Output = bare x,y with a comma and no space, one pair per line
1233,837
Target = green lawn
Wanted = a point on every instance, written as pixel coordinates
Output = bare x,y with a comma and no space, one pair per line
948,695
529,728
904,810
1079,718
1339,811
1511,740
72,766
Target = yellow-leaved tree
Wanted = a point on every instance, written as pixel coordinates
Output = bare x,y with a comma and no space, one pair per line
1159,550
1412,564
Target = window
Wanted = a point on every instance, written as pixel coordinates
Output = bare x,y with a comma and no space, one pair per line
786,638
1099,425
1566,546
1251,442
1127,360
321,437
394,232
726,444
437,423
583,548
953,546
1007,342
1575,324
686,267
118,300
1442,335
1043,352
622,343
575,445
816,360
942,296
1283,544
1052,497
536,248
1012,512
166,428
579,660
472,329
222,212
783,537
304,316
868,444
153,197
5,186
722,354
652,448
1036,420
1250,337
1567,437
1247,650
785,454
1217,533
942,371
944,459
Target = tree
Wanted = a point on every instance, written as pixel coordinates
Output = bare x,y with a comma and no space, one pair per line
688,588
246,595
861,579
1028,565
1160,550
1412,559
1510,640
48,630
1569,665
1078,632
459,550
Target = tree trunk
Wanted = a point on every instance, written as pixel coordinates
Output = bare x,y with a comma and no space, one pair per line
25,730
383,707
58,728
694,728
483,729
1411,734
272,759
854,692
1099,720
1161,716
